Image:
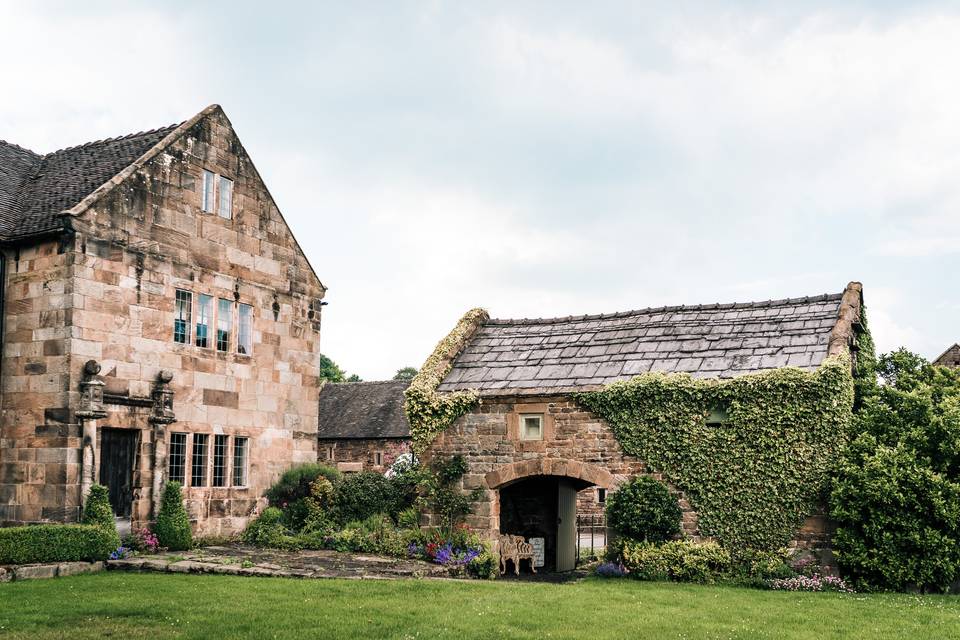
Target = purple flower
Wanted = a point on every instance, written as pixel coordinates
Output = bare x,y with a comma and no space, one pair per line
611,570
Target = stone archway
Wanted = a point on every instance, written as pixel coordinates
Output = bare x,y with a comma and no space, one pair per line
590,474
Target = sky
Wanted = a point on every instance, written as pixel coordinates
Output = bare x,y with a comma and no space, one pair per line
546,159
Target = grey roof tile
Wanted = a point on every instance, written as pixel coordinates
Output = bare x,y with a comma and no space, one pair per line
363,410
706,341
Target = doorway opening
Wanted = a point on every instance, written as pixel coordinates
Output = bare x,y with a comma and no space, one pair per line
118,458
544,508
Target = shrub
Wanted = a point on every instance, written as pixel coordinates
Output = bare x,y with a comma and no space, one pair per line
364,494
611,570
173,523
268,530
485,566
442,496
141,541
56,543
643,509
295,483
97,510
678,560
408,519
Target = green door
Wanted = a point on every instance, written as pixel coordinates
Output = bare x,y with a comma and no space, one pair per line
566,526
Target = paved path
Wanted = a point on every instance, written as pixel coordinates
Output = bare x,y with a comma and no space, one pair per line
250,561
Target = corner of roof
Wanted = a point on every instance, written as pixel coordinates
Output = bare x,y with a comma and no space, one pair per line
955,345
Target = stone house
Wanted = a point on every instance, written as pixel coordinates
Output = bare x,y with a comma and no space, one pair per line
160,322
531,447
362,425
950,357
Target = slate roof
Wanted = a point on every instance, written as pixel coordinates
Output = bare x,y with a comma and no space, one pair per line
363,410
35,189
718,340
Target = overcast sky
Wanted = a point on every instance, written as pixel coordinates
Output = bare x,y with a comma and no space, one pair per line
543,159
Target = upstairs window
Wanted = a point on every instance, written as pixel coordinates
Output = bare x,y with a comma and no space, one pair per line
240,446
204,317
181,317
209,180
225,206
219,460
198,466
177,457
224,324
531,426
245,330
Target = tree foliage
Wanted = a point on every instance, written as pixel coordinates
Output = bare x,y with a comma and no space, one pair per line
896,494
330,371
406,373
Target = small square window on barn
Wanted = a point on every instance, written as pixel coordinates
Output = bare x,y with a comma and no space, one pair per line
224,324
717,416
245,329
225,206
181,316
531,426
198,463
177,457
240,457
209,180
220,460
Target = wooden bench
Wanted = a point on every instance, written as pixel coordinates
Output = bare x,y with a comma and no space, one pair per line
515,548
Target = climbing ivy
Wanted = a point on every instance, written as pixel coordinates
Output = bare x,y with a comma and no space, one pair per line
429,412
753,477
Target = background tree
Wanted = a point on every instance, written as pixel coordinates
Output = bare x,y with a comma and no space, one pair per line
896,494
406,373
332,372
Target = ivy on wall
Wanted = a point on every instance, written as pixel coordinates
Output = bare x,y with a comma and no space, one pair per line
429,412
753,477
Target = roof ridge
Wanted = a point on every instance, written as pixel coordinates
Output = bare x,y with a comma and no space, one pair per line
361,382
113,139
823,297
22,148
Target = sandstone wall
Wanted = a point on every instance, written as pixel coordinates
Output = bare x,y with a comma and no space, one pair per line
361,454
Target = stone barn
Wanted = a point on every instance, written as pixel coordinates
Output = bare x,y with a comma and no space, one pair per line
362,425
160,322
532,444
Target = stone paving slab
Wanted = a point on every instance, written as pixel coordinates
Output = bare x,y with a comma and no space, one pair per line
250,561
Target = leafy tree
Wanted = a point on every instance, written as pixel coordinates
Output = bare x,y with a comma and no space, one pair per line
173,523
330,371
896,494
407,373
354,378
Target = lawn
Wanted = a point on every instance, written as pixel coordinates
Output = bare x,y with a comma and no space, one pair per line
156,606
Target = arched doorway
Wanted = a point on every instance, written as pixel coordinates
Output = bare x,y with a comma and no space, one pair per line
538,500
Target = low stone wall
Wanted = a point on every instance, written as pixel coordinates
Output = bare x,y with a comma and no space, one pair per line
9,573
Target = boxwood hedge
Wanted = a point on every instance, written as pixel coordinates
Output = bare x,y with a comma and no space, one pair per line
56,543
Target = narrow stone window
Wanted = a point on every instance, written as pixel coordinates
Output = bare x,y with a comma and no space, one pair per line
204,316
601,495
245,330
177,457
198,466
330,454
225,207
181,316
209,180
224,324
220,460
378,459
240,446
531,426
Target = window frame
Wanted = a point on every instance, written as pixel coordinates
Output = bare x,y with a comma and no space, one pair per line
208,187
221,450
177,315
205,320
523,426
182,478
200,459
378,458
244,349
220,320
243,468
223,181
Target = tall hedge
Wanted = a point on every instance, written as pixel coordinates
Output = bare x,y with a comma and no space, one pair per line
173,524
56,543
753,477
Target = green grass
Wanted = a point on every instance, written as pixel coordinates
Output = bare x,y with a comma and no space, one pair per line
156,606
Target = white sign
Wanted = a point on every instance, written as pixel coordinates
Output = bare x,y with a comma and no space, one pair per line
538,544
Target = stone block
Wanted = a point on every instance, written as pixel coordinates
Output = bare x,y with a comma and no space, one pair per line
34,571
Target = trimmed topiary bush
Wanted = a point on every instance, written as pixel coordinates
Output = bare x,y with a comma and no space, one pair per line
56,543
643,509
173,523
97,509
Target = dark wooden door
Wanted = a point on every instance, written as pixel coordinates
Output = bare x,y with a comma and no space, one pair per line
118,448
